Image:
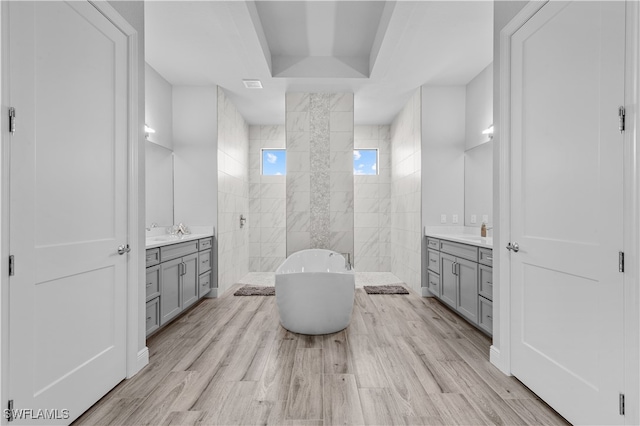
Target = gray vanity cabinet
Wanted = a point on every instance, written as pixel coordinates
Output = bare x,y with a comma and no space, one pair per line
448,280
179,286
178,275
171,273
190,280
460,285
463,279
467,302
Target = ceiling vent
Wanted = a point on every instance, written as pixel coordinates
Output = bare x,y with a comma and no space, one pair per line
252,84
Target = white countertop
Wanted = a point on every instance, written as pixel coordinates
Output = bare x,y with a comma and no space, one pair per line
166,239
157,237
464,235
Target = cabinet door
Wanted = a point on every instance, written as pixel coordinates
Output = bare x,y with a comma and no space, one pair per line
190,280
170,300
467,302
448,280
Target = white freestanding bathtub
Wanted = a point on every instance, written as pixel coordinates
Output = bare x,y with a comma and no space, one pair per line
314,292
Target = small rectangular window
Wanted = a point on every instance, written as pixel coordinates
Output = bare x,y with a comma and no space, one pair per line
274,162
365,162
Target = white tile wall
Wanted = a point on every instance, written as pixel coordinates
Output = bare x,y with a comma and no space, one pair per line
234,243
267,201
405,189
372,203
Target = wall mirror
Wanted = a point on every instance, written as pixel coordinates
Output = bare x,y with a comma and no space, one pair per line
159,184
478,184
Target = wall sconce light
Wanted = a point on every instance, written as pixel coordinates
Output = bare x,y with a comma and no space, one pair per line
147,131
488,131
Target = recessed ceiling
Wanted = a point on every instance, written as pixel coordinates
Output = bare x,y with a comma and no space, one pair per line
319,39
382,51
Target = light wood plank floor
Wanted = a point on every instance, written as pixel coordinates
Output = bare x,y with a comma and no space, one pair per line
403,360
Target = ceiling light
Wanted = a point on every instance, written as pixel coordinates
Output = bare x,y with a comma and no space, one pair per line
252,84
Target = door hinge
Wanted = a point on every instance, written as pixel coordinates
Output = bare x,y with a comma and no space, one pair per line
12,120
620,261
621,117
12,266
622,404
9,415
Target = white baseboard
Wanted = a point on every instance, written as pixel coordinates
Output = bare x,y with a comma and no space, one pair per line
213,293
496,360
142,361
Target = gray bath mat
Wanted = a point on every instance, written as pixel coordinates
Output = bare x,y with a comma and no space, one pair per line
385,289
250,290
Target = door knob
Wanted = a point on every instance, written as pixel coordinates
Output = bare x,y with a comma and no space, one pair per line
124,249
513,247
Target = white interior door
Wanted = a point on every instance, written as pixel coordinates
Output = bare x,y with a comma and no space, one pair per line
68,213
567,182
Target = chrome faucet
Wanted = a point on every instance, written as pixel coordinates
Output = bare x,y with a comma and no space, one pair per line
153,225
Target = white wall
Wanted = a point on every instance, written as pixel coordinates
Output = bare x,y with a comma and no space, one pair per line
233,194
267,203
372,203
443,142
195,134
406,235
158,108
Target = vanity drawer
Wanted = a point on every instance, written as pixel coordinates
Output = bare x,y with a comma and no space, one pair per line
433,281
204,261
460,250
433,243
485,286
175,251
153,282
204,284
153,257
153,315
485,317
433,261
205,243
485,257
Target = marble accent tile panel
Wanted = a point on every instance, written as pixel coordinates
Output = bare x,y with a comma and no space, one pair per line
341,121
295,102
298,181
324,184
298,162
297,122
297,241
341,141
298,222
342,102
341,202
298,142
298,202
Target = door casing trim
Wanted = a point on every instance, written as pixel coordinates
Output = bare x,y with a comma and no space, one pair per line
135,358
500,352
